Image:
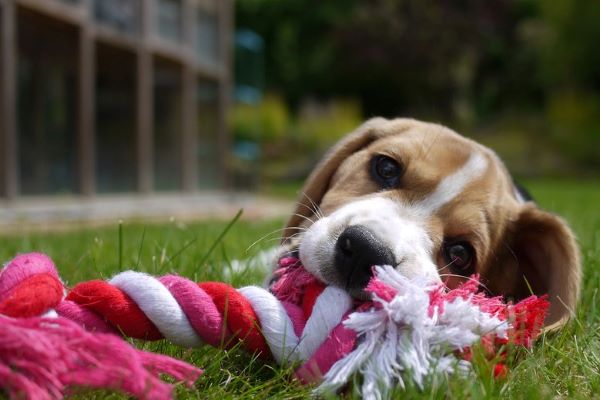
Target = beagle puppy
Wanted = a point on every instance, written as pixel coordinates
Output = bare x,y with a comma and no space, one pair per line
424,199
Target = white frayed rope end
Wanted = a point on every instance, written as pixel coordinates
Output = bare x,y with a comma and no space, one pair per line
403,336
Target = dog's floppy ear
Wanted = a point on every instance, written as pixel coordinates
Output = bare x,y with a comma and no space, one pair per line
318,182
543,258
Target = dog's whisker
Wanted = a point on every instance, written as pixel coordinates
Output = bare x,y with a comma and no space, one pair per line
279,239
305,218
467,278
314,207
309,208
317,213
300,232
269,240
297,234
513,254
446,266
271,233
458,276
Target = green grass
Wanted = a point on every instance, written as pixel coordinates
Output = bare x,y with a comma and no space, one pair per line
564,365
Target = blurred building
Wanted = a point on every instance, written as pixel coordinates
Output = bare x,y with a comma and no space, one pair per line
105,96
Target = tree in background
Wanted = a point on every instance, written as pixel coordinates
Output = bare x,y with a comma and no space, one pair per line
464,62
300,42
567,40
396,56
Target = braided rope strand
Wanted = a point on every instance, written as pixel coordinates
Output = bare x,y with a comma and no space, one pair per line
186,313
298,320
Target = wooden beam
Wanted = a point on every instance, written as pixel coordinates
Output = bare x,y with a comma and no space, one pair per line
189,132
145,104
189,103
87,120
8,100
145,121
225,10
176,52
58,10
114,38
210,72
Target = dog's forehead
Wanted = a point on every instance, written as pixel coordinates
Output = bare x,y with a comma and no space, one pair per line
442,168
434,144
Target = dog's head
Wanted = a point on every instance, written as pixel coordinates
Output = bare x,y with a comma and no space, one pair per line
428,201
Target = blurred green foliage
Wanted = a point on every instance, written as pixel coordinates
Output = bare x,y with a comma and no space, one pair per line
319,125
493,70
267,121
289,144
575,121
568,43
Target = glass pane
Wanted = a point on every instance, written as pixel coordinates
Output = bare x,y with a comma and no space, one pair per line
115,119
207,33
47,105
168,19
122,15
208,114
167,126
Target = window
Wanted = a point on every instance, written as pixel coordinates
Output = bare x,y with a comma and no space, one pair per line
168,17
116,156
208,121
46,104
207,33
121,15
167,125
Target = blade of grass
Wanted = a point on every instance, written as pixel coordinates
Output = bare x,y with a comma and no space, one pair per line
120,245
139,257
181,250
528,285
221,236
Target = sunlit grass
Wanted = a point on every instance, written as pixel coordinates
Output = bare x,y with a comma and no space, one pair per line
564,365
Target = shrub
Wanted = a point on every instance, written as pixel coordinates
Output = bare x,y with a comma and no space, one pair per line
268,121
321,124
575,127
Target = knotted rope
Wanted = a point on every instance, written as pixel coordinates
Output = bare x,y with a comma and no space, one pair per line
299,320
187,313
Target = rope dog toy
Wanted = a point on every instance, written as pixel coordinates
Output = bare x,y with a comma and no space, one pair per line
409,330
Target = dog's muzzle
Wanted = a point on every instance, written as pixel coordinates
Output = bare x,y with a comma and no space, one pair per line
357,250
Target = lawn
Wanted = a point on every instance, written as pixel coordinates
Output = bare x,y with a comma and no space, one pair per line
565,365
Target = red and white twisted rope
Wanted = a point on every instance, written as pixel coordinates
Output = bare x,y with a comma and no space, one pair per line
409,326
187,313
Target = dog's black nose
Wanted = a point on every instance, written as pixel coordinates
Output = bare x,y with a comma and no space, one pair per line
357,251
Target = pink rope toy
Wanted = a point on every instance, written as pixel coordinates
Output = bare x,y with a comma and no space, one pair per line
410,329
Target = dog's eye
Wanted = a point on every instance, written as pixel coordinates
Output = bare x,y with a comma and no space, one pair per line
386,171
459,256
